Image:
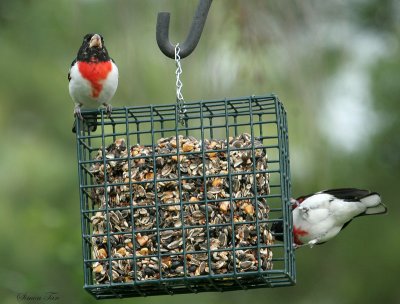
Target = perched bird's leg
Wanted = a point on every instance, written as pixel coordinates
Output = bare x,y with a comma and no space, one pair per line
108,108
77,111
297,246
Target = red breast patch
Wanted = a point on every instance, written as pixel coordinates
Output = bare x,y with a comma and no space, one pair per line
95,72
297,232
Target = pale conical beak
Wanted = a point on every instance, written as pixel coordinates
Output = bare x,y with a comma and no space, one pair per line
95,41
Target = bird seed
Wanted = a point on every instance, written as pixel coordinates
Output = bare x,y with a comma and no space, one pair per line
184,208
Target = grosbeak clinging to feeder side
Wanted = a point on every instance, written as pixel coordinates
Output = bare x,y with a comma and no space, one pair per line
93,77
320,216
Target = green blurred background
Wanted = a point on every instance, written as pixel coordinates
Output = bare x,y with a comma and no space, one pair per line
334,64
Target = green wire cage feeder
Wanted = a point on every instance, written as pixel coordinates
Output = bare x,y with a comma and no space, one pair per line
182,202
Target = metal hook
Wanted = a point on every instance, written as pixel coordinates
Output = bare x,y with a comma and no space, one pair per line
187,47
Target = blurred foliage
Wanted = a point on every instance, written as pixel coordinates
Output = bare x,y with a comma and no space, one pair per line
292,48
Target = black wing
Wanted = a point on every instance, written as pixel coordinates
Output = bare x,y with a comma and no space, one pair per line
69,74
348,194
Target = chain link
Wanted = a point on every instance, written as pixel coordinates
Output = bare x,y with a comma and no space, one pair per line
179,97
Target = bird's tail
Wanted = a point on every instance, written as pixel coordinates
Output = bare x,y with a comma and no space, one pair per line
373,203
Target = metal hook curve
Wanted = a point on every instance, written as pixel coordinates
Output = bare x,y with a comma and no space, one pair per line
193,37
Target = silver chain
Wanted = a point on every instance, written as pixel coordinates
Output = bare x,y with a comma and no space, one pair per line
179,96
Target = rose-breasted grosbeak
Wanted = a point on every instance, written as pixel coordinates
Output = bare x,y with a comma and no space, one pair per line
93,77
320,216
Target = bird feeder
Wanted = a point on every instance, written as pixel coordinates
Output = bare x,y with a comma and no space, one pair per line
180,198
170,208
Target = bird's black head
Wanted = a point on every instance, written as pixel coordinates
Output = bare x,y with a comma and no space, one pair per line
93,49
277,230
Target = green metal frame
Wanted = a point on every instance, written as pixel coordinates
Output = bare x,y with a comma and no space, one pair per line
263,117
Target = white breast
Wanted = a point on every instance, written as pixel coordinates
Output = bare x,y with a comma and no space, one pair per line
323,216
80,88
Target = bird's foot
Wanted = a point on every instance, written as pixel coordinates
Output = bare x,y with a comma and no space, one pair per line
295,203
77,111
312,243
108,109
304,209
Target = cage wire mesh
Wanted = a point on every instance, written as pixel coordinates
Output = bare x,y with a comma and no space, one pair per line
171,208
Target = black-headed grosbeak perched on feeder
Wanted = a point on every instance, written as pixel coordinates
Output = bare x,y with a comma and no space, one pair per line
93,78
319,217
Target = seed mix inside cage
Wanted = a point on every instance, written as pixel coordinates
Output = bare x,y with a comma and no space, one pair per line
171,208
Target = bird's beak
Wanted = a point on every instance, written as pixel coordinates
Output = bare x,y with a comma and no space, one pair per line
95,41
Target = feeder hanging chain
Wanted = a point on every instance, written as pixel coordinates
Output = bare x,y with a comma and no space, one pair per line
179,97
